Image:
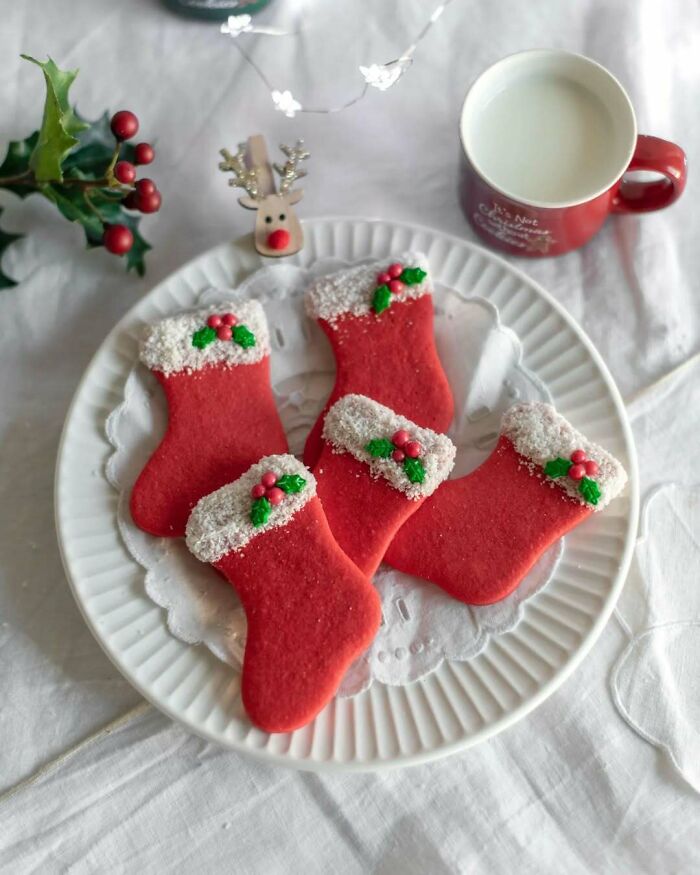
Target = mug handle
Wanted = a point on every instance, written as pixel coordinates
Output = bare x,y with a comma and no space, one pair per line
659,156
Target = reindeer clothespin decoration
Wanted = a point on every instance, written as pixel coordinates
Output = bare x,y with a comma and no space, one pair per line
277,228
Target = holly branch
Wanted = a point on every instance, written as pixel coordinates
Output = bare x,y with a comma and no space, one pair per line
86,168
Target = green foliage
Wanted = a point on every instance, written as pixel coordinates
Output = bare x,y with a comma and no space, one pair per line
381,299
380,448
203,337
16,163
291,483
414,470
590,490
5,240
260,511
557,467
243,336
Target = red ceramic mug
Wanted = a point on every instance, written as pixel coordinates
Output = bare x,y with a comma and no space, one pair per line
547,137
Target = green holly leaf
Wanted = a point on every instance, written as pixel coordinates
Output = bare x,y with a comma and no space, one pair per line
203,337
414,470
557,467
291,483
72,203
59,125
380,448
110,208
5,240
16,163
382,299
243,336
260,511
590,490
412,276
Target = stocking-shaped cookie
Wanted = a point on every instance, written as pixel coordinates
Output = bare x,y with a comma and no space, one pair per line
379,320
375,470
479,535
310,612
214,366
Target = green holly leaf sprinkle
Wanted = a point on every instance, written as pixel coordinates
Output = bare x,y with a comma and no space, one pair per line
412,276
59,125
380,448
557,467
291,483
243,336
382,299
590,490
414,470
203,337
260,511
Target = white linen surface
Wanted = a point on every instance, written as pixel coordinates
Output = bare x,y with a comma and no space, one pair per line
572,787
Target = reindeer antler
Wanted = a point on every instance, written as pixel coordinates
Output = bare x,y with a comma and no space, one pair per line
290,171
243,177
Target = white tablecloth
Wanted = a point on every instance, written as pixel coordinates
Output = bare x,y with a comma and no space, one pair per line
572,787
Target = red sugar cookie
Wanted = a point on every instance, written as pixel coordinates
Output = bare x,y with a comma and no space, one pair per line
375,470
479,535
310,612
379,320
214,367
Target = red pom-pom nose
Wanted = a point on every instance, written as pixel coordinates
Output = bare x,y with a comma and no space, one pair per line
278,239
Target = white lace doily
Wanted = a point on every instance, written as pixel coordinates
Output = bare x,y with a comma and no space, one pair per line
421,625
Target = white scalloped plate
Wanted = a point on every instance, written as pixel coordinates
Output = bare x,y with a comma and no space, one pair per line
459,704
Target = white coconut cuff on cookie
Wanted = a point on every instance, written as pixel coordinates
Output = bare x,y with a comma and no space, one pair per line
355,420
221,521
351,291
541,436
178,343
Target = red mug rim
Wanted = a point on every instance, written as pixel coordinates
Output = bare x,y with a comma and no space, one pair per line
508,59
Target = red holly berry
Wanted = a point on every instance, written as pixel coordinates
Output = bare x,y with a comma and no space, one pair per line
214,321
578,456
383,279
149,203
130,202
143,153
591,468
274,495
124,124
125,172
395,270
577,472
117,239
229,319
268,479
396,287
398,455
224,333
400,437
258,490
413,449
146,186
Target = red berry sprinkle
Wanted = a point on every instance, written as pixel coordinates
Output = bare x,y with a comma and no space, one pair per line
395,270
117,239
214,321
268,479
396,287
229,319
125,172
400,437
143,153
224,333
577,472
149,203
383,279
124,124
413,449
578,456
591,467
146,186
274,495
258,490
398,455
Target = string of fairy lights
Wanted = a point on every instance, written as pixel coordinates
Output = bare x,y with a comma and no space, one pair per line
379,76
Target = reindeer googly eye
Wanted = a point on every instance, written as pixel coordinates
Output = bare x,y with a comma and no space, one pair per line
268,219
282,217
